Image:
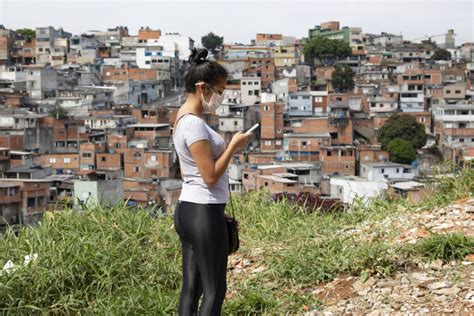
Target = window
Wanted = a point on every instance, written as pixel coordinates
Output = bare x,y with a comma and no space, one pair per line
153,158
457,92
255,82
304,143
66,160
86,155
246,176
448,91
250,92
268,143
329,153
103,159
382,170
11,191
137,155
52,160
244,83
136,169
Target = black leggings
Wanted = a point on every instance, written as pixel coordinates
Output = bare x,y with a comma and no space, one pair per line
203,234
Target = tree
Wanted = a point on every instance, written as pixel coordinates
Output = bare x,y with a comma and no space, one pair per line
441,54
58,112
343,78
401,151
326,50
26,33
405,127
212,42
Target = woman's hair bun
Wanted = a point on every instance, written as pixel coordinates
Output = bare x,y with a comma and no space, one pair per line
198,56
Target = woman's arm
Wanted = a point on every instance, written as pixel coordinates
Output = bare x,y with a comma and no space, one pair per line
211,170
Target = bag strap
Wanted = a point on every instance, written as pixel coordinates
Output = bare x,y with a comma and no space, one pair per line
179,118
230,198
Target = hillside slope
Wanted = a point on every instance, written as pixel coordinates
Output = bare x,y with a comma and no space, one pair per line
387,256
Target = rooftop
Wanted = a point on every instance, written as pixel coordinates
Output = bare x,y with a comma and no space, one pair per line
148,125
299,135
385,164
277,179
408,185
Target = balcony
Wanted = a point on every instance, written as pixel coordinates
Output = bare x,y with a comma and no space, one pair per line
9,199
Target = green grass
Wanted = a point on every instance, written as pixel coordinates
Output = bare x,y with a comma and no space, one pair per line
123,261
444,246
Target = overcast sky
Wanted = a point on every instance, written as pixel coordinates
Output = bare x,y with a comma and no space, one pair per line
239,21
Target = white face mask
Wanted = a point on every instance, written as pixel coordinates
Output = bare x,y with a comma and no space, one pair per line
214,103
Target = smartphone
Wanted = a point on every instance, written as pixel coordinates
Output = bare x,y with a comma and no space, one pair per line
252,128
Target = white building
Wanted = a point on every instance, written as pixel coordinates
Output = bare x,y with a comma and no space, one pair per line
105,121
349,188
379,171
80,101
183,43
15,118
454,124
280,88
412,101
385,39
41,83
250,88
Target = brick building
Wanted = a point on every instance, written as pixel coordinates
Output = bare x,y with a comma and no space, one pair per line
271,126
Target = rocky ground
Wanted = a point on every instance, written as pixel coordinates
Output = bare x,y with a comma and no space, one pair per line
432,289
418,288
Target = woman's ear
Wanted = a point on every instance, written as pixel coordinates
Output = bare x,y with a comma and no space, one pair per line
200,87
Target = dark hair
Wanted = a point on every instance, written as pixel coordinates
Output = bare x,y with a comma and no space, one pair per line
202,69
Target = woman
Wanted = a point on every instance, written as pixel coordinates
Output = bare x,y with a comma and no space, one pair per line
199,215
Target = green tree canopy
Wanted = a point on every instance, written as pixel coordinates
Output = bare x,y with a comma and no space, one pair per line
405,127
326,50
212,42
401,151
343,78
58,112
26,33
442,54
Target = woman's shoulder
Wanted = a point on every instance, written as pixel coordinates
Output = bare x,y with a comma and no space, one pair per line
193,121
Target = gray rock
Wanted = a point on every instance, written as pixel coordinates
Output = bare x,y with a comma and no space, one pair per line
447,291
439,285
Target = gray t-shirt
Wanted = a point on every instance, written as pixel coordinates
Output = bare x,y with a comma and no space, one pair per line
191,128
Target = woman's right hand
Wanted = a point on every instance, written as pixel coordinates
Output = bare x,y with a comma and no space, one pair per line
238,141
